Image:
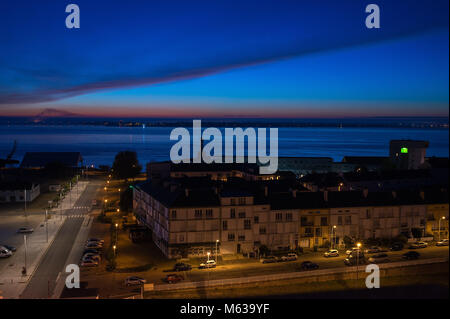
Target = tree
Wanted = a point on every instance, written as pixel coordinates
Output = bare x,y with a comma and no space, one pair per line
126,165
126,200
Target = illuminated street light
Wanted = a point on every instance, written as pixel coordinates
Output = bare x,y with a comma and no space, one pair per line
333,235
208,253
114,247
217,242
442,218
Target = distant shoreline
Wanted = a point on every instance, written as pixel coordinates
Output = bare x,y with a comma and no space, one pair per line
376,122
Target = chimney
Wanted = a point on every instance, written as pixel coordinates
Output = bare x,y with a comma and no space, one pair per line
422,195
394,194
365,192
266,191
325,196
186,192
294,193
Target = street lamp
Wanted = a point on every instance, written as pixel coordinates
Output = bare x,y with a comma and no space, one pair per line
114,248
442,218
208,253
217,242
117,227
333,235
357,259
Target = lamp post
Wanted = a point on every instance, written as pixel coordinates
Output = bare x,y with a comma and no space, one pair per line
333,235
46,223
114,248
208,253
442,218
217,242
117,227
357,259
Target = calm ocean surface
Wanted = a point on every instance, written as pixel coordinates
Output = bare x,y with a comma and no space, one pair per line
99,144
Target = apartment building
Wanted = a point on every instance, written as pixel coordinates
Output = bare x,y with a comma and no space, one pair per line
193,216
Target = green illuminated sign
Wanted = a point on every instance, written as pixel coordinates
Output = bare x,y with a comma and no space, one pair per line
404,150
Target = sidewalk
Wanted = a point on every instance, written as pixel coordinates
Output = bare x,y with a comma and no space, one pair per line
12,282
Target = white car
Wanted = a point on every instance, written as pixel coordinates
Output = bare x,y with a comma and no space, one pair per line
331,253
443,242
134,281
4,252
209,264
289,257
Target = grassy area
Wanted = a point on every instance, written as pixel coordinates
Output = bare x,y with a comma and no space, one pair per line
434,279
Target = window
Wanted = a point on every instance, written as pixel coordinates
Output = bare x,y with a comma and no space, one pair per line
323,221
367,213
232,213
241,200
262,230
224,225
278,216
198,213
209,213
256,219
348,220
339,220
241,214
318,232
289,217
241,238
230,236
247,224
232,201
174,214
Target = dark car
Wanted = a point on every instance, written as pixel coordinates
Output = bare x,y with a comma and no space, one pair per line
354,260
11,248
308,265
182,267
411,255
397,247
92,251
173,278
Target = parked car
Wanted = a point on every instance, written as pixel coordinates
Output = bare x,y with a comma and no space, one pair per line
397,246
134,281
418,244
173,278
89,263
208,264
92,251
93,246
353,260
25,230
379,258
443,242
10,248
411,255
94,243
353,250
182,267
289,257
269,259
98,240
4,252
94,257
308,265
373,250
331,253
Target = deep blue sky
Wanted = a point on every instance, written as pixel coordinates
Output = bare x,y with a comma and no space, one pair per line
231,58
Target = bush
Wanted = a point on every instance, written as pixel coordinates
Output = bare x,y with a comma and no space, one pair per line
264,250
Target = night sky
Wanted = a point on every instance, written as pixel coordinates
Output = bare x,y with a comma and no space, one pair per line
225,58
